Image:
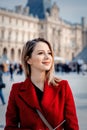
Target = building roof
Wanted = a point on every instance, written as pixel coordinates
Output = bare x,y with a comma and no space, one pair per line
37,8
82,55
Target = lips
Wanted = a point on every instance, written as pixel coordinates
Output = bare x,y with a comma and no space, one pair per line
47,63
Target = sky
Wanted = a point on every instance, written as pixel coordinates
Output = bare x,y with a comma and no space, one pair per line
70,10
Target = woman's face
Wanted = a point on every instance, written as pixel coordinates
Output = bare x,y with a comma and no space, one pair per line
41,58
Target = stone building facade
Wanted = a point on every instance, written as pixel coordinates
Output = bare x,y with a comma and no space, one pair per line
17,27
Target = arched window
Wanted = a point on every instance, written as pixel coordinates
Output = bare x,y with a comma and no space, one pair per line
5,51
19,54
4,56
12,54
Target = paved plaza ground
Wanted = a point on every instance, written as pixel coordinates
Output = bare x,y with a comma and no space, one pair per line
78,85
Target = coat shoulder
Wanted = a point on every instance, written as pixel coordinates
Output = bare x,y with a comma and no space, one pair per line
63,85
18,85
63,82
21,85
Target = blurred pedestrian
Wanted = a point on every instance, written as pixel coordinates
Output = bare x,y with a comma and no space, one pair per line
84,68
11,70
20,70
2,85
78,68
40,94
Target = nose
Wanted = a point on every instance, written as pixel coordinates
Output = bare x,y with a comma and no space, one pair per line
46,55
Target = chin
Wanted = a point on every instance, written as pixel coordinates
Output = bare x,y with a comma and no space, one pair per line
47,69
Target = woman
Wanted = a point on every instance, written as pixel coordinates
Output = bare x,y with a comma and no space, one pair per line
40,91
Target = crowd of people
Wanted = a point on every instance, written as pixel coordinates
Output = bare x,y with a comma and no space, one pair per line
17,68
71,67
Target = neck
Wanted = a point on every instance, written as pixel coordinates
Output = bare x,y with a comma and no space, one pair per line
38,79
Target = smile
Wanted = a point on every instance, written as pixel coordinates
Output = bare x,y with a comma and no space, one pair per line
47,63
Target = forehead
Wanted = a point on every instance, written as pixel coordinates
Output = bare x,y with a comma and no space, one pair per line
41,46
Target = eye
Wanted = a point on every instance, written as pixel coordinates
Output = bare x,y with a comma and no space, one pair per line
39,53
49,53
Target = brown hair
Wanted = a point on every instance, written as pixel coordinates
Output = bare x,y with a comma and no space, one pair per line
27,53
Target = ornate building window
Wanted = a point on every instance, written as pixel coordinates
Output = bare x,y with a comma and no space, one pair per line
16,36
12,54
2,19
4,55
19,54
5,51
2,34
9,35
23,33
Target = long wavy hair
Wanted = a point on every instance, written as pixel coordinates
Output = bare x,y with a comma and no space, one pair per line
27,53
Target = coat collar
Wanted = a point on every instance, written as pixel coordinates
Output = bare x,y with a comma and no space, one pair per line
28,94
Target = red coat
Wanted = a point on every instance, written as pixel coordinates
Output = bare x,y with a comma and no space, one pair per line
57,105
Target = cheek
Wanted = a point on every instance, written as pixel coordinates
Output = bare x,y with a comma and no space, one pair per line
37,60
51,59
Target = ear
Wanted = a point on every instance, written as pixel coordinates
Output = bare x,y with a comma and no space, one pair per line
29,61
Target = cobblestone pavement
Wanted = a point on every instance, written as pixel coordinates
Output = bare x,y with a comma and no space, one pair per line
78,85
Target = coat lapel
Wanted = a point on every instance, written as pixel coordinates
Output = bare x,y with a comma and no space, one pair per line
49,99
28,94
49,95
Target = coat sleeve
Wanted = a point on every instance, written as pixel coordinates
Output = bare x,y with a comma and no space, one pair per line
12,118
70,110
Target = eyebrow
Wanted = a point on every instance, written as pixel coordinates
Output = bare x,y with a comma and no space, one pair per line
43,50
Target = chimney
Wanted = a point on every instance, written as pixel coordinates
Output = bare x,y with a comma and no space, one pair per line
19,9
26,11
